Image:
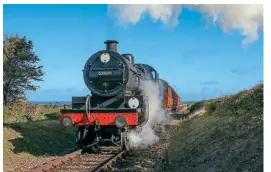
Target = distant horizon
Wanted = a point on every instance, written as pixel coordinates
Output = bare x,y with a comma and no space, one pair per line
68,102
184,101
49,102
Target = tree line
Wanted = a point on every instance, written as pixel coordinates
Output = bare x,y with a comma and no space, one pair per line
20,68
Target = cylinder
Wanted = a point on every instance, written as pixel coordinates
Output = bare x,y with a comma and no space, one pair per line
111,45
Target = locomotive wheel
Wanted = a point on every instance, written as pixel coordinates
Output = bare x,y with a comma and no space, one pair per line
84,138
80,135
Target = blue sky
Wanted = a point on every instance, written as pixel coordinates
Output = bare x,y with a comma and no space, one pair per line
199,61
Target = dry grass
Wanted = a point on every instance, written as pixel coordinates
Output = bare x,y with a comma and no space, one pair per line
229,137
28,112
31,143
185,108
32,135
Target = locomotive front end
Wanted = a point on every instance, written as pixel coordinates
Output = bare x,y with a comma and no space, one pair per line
107,73
116,104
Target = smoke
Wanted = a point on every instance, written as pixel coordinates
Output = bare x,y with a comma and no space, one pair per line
156,116
247,19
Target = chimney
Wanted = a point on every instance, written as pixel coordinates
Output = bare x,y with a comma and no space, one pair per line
111,45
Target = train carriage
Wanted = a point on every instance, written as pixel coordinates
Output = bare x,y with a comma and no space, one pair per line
169,97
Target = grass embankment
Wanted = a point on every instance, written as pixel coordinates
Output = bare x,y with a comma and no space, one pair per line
30,112
228,137
29,140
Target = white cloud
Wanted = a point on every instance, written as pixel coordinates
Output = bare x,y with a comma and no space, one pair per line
248,19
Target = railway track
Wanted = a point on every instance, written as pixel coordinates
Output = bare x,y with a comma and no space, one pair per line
82,162
78,162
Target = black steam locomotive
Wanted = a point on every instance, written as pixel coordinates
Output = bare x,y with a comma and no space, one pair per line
116,105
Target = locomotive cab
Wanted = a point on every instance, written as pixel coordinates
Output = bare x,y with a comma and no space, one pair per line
149,72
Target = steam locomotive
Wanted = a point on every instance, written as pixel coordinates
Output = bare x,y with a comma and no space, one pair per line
116,104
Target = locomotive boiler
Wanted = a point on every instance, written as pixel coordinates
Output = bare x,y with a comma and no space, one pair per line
116,104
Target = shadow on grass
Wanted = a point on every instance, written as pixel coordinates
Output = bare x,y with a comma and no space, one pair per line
42,138
52,116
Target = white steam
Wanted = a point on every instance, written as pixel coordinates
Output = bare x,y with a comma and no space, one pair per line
156,116
248,19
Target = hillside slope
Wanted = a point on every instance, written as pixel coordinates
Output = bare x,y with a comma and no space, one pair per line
30,144
228,137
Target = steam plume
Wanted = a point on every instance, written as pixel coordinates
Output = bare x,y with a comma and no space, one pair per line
156,116
248,19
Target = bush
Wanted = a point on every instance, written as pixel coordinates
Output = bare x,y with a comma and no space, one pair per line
211,108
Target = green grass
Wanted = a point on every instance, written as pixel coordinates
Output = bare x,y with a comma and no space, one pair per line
229,137
28,141
33,132
20,113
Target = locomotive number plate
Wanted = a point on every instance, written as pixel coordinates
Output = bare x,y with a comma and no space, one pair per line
94,74
105,73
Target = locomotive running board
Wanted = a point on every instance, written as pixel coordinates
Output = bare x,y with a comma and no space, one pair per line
100,110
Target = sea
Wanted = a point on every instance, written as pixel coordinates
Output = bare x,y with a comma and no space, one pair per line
69,102
50,102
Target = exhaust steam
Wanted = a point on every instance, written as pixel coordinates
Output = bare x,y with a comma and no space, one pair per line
157,115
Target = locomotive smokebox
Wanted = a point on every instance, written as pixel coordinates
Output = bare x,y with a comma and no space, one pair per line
111,45
107,73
